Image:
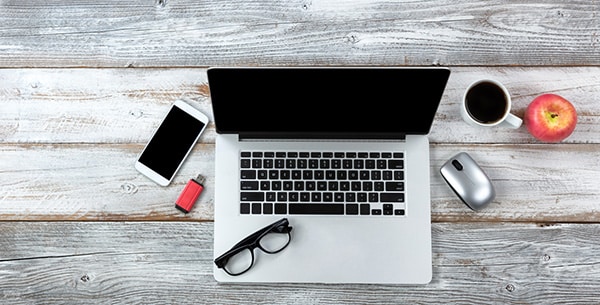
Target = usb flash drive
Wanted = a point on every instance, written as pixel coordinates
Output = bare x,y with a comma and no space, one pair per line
190,193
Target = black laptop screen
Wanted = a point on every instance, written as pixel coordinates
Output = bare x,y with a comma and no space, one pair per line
326,102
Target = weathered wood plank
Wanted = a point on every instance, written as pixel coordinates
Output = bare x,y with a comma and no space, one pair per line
98,182
125,105
87,182
171,262
141,33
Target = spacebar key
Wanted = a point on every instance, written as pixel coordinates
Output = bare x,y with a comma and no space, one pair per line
316,209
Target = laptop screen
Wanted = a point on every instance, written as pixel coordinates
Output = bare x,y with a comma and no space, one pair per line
326,102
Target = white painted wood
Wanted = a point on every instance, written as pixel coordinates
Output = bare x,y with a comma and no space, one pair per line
139,33
171,263
125,105
84,83
537,183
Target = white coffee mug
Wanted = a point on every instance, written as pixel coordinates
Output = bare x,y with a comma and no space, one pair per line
487,103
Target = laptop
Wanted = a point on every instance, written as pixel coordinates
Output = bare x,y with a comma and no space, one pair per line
343,154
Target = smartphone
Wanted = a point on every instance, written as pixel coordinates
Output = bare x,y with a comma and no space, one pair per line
171,142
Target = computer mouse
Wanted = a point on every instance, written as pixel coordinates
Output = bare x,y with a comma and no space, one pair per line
468,181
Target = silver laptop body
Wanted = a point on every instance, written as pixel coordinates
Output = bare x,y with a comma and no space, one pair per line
318,111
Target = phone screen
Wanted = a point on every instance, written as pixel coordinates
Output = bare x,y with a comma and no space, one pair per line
171,142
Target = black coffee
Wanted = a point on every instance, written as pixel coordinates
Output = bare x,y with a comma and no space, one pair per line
486,103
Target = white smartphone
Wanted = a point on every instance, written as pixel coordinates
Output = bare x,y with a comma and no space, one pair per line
171,143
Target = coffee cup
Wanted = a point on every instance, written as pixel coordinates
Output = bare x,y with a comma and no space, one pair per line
487,103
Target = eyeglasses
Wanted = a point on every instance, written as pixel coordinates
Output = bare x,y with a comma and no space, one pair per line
270,239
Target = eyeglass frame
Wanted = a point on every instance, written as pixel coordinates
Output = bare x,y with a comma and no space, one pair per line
252,242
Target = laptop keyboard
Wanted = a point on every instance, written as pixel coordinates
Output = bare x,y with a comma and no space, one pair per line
322,183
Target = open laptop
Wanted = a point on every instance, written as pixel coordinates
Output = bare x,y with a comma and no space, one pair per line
338,128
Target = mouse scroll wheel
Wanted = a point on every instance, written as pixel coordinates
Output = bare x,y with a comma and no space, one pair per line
457,165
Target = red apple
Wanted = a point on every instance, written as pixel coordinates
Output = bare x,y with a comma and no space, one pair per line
550,118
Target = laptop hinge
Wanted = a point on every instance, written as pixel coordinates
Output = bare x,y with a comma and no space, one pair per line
321,136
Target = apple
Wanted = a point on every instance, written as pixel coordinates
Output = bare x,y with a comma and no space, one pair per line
550,118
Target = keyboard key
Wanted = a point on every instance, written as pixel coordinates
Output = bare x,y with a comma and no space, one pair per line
256,208
392,197
319,209
267,208
265,186
280,208
316,197
245,208
249,185
350,197
245,163
282,196
252,196
352,209
388,209
394,186
365,209
396,164
248,174
293,196
276,185
373,197
305,196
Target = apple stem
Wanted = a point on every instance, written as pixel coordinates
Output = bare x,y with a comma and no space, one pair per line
554,115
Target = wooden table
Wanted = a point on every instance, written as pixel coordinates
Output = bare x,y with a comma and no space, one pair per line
84,83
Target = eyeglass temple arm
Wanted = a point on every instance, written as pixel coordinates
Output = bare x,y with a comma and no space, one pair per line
281,226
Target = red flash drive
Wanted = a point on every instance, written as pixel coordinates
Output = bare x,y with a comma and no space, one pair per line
190,193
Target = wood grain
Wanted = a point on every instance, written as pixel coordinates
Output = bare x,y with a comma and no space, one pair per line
98,182
186,33
126,105
84,83
171,262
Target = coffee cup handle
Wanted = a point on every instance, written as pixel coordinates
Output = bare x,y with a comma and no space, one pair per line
512,121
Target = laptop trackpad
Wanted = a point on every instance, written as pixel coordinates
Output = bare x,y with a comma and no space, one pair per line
352,250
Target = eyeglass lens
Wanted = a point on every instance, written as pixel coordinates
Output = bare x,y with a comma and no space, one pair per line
242,261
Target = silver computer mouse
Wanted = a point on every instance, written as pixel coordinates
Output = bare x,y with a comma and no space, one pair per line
468,181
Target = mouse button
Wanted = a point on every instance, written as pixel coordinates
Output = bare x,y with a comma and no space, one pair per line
457,165
456,183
